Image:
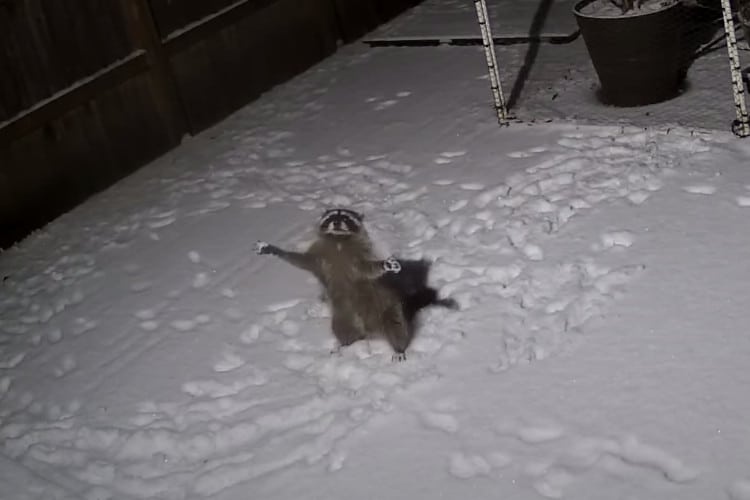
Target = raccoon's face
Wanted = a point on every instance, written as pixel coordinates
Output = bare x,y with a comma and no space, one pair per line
340,222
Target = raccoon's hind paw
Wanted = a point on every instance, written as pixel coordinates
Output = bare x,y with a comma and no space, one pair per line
391,265
262,248
398,357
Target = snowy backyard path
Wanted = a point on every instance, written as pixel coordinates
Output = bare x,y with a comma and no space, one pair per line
600,352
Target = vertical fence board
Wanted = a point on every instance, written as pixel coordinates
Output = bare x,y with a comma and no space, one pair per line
251,55
57,166
145,36
173,15
47,45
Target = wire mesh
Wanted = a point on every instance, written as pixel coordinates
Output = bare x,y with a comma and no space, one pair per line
649,63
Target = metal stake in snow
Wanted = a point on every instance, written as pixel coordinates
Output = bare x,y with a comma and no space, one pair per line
741,126
489,52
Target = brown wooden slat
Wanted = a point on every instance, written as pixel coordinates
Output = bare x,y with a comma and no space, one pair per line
82,93
144,32
172,15
202,30
48,45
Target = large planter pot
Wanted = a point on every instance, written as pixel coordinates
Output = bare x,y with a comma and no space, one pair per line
743,10
636,56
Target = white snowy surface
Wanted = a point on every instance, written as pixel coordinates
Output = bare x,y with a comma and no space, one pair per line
601,350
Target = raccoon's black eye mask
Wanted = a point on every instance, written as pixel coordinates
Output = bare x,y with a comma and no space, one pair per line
340,221
342,212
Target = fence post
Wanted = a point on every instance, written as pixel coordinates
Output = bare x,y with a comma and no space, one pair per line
145,34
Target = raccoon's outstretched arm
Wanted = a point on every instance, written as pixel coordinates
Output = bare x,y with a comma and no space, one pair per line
374,269
297,259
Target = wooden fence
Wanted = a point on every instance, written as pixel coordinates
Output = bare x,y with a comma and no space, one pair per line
90,90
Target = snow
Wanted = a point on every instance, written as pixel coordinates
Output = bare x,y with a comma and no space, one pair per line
600,350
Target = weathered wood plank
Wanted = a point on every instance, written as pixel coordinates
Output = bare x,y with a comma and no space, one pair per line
145,36
51,169
48,45
49,109
249,54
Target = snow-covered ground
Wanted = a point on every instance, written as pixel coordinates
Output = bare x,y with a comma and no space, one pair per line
601,350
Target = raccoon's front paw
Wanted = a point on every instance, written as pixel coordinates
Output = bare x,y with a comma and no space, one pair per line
398,357
262,248
391,265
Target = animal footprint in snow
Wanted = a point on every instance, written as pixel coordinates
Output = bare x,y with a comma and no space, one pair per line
380,105
385,104
298,362
519,154
250,335
457,205
441,421
337,459
617,239
4,385
83,325
140,286
638,197
700,189
229,362
587,452
55,336
539,434
448,156
465,466
149,326
452,154
552,483
200,280
186,325
67,365
281,306
533,252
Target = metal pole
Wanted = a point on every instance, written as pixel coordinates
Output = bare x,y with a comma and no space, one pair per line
489,52
741,126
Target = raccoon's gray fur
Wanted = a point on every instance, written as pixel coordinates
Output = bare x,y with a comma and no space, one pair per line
343,261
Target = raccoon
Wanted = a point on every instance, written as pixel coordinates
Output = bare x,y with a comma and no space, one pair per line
343,261
367,296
